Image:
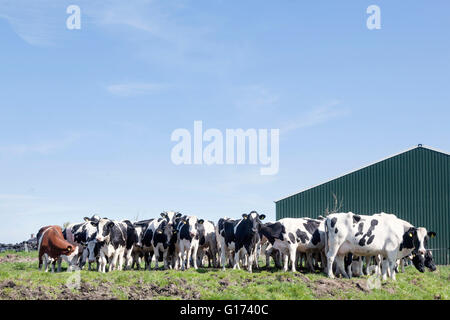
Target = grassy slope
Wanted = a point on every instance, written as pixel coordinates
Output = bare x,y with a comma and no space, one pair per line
20,279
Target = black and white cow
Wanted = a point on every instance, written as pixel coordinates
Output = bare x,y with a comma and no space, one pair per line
156,242
188,238
381,234
112,236
80,234
294,236
138,249
246,235
268,233
208,243
157,238
93,252
226,240
131,240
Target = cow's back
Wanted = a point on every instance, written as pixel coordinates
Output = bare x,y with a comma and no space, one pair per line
362,234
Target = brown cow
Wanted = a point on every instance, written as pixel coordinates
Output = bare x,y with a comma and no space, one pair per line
53,247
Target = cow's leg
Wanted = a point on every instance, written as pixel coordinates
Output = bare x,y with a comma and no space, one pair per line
102,262
40,262
331,256
341,265
189,255
115,258
292,256
323,261
236,260
384,269
223,257
309,261
391,261
286,262
120,259
165,260
179,260
156,258
268,259
251,257
194,254
148,263
45,263
59,264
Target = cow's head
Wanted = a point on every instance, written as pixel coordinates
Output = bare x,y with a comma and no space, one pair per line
91,249
419,262
104,228
139,233
170,216
163,233
254,218
416,239
194,225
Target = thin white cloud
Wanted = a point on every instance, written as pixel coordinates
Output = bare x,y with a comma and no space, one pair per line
133,89
44,147
316,116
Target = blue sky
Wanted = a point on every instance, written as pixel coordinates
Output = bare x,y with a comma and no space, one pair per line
86,115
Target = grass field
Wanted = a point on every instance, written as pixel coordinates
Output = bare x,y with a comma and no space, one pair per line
20,279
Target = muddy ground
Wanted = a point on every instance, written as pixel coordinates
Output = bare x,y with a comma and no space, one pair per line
103,291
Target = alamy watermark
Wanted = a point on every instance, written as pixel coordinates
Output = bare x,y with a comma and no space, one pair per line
74,20
74,279
231,150
374,20
374,282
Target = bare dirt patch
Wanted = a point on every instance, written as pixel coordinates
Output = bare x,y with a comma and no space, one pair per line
15,258
104,291
331,288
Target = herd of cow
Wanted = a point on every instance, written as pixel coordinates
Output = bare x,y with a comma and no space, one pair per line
337,244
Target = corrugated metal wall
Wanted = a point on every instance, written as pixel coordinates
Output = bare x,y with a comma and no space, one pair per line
414,185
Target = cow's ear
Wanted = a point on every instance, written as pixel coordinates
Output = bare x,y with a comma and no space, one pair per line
110,224
94,223
163,214
244,215
201,221
175,231
159,231
262,217
69,248
432,234
178,215
86,219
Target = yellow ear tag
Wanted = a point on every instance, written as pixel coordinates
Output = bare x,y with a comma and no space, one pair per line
432,235
410,234
184,222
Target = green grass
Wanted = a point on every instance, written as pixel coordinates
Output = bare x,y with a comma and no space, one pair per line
20,279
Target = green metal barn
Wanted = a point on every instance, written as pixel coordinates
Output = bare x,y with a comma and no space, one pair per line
414,185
